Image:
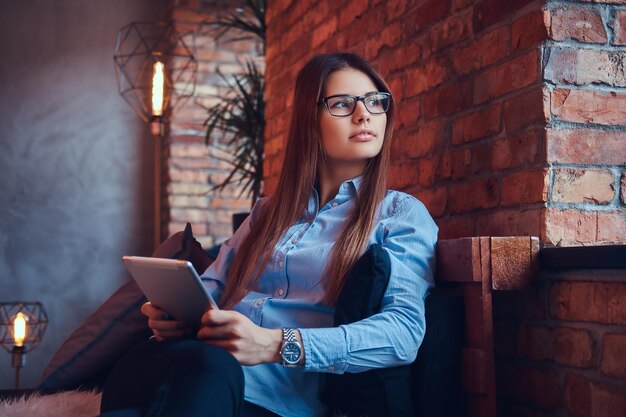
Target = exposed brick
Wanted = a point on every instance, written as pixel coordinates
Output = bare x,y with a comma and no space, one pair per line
460,4
619,27
586,146
454,227
425,77
524,187
395,8
611,227
478,124
588,106
434,199
574,347
582,186
452,30
420,17
409,114
471,195
577,393
514,222
505,338
529,30
623,187
512,152
351,11
536,342
488,12
602,302
586,66
608,400
390,36
506,77
391,60
448,99
613,354
483,51
324,31
458,164
404,174
428,169
569,227
583,24
429,136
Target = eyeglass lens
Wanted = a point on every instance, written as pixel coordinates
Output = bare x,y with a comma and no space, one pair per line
375,103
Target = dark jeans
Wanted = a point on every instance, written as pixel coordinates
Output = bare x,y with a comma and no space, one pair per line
182,378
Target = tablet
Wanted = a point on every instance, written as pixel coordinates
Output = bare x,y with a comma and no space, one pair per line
171,285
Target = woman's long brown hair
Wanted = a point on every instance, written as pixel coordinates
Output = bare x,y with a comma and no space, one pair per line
302,158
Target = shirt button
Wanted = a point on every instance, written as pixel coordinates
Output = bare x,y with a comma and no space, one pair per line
331,368
346,186
259,302
280,264
294,241
281,292
335,204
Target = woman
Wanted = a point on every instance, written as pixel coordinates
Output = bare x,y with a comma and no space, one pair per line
279,277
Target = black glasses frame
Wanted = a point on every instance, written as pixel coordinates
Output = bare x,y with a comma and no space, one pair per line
356,100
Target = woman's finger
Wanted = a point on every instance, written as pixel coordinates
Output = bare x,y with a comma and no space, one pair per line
166,324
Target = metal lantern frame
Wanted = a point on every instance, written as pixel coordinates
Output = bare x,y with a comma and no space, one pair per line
139,45
36,323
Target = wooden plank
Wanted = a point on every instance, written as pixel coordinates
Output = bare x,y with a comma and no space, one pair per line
514,261
458,260
473,363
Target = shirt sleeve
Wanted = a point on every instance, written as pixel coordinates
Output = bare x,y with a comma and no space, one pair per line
393,336
214,278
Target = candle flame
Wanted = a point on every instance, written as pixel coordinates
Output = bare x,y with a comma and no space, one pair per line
19,328
157,89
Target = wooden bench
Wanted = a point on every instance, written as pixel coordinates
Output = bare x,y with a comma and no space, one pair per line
477,266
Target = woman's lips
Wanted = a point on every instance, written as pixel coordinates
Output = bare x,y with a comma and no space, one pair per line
363,136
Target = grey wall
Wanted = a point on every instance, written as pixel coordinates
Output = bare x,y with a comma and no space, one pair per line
75,163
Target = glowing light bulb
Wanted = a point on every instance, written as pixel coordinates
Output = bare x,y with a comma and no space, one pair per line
157,89
19,329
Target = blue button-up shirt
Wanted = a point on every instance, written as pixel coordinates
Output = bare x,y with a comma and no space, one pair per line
290,290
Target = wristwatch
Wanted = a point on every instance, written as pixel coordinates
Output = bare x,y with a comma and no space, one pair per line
291,351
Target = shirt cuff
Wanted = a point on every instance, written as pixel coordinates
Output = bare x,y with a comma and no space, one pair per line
325,350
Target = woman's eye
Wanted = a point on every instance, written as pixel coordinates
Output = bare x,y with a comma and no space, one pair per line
341,104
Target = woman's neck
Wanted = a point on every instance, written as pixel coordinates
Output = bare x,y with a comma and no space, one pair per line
331,176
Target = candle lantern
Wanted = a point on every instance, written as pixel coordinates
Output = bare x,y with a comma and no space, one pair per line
22,325
156,71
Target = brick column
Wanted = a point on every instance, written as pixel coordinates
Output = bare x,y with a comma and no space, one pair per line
585,78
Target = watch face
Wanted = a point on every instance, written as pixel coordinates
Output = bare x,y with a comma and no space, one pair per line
291,352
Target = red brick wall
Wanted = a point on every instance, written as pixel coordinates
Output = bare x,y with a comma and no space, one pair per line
500,105
467,77
586,133
560,346
512,121
191,172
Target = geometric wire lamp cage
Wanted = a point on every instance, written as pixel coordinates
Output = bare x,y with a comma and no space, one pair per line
141,51
22,325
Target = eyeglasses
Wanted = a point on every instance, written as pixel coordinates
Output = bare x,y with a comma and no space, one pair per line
344,105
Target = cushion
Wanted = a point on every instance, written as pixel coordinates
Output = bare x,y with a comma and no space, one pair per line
89,353
378,392
431,386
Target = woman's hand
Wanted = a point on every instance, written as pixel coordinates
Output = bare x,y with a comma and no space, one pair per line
247,342
163,327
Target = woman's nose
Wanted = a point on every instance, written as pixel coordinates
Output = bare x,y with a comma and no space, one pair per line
360,113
